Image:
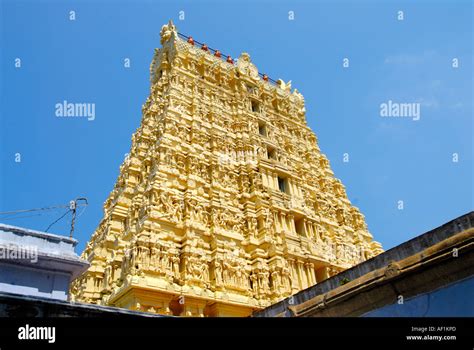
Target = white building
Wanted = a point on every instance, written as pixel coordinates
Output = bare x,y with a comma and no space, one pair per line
35,263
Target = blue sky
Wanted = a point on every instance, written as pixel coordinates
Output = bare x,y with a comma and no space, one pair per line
390,159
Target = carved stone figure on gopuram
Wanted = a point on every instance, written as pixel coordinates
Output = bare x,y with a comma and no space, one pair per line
225,203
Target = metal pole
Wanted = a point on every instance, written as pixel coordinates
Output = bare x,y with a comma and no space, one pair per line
73,208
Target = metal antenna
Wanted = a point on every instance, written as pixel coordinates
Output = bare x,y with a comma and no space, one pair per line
73,208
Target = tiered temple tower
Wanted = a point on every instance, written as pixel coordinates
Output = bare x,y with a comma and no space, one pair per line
225,203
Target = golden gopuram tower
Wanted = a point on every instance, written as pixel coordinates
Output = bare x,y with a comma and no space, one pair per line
225,203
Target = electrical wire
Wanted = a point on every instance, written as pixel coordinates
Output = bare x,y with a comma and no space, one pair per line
12,215
36,209
19,217
82,211
57,220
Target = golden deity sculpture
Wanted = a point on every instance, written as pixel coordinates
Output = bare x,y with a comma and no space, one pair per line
225,203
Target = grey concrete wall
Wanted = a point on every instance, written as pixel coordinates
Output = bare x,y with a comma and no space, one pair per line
37,263
28,281
21,306
454,299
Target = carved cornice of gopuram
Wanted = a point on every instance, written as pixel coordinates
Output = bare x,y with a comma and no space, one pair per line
242,67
